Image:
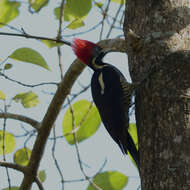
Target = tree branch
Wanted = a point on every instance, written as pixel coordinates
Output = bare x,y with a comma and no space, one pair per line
22,118
63,90
38,182
13,166
25,35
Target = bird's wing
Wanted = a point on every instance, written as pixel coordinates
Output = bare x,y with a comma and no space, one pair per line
110,92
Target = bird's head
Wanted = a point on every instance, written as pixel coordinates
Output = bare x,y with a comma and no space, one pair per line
88,52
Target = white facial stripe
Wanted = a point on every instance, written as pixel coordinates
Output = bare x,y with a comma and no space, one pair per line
95,65
101,82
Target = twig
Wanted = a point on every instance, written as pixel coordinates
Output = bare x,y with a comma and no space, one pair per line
38,182
13,166
55,160
76,95
61,18
4,157
75,129
104,17
114,20
83,32
35,37
28,138
22,118
27,85
11,27
77,149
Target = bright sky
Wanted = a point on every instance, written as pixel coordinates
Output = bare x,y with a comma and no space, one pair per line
93,151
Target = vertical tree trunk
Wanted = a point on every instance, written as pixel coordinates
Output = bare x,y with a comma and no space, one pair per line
163,102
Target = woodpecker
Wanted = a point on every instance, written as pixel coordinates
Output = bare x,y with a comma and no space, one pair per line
111,94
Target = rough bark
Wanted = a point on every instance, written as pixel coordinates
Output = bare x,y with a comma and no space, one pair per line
163,102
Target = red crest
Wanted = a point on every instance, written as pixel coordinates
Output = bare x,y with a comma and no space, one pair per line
83,50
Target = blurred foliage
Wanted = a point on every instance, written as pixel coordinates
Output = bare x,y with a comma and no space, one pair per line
86,121
110,180
8,141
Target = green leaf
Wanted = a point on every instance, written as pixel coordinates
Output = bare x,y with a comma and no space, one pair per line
87,121
74,9
29,55
2,95
22,156
28,99
8,11
8,66
42,175
12,188
38,4
76,24
133,132
110,180
119,1
9,142
99,4
51,44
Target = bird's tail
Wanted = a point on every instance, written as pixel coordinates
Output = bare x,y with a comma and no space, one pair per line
133,150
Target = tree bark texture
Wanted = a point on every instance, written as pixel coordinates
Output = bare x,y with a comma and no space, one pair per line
163,101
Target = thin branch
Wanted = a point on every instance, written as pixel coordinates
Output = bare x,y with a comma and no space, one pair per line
104,17
35,37
76,128
76,95
4,155
61,19
83,32
11,27
77,149
27,85
54,158
38,182
22,118
114,20
13,166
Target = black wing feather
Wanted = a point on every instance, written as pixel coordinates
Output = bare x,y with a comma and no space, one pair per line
113,106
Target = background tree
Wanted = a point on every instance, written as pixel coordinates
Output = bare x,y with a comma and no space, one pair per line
29,96
163,103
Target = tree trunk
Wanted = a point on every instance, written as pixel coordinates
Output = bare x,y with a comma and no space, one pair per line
163,101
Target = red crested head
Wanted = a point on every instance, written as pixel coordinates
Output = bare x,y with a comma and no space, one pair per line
84,50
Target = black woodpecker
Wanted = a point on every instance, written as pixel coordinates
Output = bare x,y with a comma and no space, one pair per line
111,94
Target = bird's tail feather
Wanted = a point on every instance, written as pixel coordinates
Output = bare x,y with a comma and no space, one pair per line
133,150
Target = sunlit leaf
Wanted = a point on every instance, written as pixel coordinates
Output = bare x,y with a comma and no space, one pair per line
2,95
12,188
133,132
38,4
99,4
9,142
28,99
119,1
22,156
75,24
29,55
42,175
74,9
8,11
51,44
8,66
110,180
87,121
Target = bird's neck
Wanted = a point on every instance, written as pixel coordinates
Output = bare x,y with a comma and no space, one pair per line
97,64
